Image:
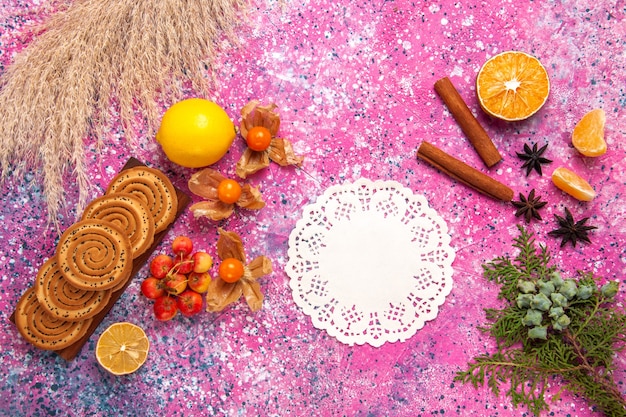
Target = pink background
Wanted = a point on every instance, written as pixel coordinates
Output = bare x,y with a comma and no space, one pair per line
353,82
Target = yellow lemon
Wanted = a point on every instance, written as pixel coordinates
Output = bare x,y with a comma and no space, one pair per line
195,133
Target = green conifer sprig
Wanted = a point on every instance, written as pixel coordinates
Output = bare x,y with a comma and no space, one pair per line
551,331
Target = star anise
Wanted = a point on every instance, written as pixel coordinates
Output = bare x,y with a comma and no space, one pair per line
529,206
570,230
533,158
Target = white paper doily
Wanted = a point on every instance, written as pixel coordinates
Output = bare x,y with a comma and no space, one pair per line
370,262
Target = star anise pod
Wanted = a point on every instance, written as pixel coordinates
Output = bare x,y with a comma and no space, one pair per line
533,158
570,230
529,206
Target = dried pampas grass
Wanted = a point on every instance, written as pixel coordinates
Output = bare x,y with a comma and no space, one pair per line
132,54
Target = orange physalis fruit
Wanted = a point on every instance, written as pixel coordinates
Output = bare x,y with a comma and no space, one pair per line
259,138
231,270
228,191
512,86
572,184
588,135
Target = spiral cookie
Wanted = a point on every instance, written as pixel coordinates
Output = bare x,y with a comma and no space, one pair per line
153,188
64,301
129,213
43,330
94,255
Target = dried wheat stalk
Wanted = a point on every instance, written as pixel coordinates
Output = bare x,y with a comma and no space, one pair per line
129,54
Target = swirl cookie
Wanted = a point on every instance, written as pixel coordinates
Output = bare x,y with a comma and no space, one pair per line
94,255
153,188
43,330
129,213
64,301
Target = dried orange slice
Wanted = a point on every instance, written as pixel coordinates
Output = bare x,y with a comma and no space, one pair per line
122,348
588,134
512,86
572,184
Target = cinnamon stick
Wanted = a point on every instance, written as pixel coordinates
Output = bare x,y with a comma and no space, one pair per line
468,123
463,172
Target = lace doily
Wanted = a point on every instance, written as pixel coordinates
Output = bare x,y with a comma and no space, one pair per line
370,262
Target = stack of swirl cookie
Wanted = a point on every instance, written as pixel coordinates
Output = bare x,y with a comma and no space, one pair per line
94,258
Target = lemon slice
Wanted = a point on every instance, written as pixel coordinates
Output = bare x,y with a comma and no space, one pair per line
122,348
572,184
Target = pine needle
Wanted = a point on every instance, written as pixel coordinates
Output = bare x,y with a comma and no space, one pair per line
96,58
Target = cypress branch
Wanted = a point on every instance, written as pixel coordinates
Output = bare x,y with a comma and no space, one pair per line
552,328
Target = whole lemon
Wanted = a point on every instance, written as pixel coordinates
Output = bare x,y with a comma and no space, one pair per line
195,133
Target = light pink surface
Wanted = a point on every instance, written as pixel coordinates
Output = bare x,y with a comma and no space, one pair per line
354,85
